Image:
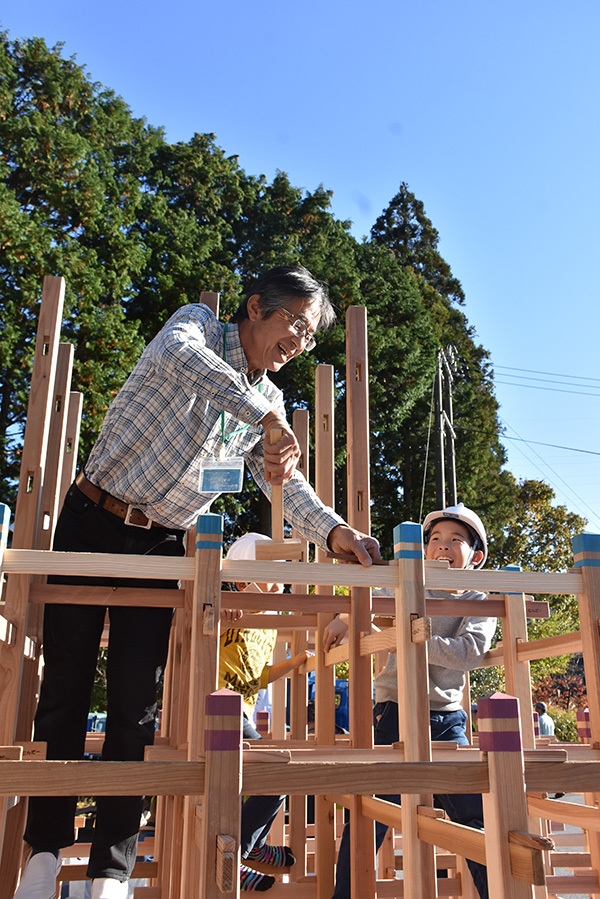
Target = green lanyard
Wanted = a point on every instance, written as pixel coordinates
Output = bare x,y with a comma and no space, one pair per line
225,438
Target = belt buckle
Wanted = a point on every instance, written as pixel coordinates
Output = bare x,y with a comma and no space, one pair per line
133,524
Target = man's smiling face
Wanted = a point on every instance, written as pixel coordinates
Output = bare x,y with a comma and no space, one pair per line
269,343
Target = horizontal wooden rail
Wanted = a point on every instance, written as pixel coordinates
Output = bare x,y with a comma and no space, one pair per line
55,778
31,561
52,778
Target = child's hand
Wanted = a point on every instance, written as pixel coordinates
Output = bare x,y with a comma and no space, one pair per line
231,615
302,657
334,633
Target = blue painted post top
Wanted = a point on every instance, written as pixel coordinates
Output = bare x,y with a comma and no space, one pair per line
586,550
209,531
408,541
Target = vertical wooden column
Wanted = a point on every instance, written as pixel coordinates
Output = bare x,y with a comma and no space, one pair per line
222,805
586,553
204,661
47,517
324,675
362,833
517,674
413,702
71,444
518,681
174,723
298,688
31,480
4,532
505,806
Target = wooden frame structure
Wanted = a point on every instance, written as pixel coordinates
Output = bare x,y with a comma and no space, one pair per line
199,768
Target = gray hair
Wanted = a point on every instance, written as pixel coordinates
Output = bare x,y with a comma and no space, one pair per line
284,284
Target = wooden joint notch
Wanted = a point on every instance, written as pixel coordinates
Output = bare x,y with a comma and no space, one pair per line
208,619
531,840
428,812
527,856
226,863
279,550
265,755
420,629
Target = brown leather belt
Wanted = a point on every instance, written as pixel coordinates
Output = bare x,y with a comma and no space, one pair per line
131,514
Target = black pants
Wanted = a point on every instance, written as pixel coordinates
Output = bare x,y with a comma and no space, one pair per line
137,653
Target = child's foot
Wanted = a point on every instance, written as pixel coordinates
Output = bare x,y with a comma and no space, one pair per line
277,856
253,881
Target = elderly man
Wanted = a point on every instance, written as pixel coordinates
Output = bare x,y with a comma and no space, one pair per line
198,399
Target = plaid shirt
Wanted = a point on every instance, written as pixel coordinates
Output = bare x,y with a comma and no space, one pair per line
167,417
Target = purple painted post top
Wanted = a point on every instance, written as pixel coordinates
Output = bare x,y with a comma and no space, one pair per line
228,738
498,707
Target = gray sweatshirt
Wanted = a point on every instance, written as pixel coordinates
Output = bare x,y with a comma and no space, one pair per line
457,645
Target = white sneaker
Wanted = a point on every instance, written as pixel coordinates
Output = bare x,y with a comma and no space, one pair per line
109,888
39,877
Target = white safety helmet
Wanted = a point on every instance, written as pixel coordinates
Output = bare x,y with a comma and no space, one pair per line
244,548
468,518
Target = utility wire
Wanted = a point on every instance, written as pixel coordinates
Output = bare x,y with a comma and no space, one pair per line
427,449
571,449
552,374
551,389
570,489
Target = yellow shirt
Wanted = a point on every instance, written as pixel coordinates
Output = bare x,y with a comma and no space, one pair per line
243,657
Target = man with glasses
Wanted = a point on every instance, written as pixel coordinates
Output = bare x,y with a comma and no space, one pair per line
199,398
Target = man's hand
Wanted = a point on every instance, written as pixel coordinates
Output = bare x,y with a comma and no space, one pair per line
282,457
344,539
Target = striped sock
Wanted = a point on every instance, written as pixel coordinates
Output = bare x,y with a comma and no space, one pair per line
278,856
252,881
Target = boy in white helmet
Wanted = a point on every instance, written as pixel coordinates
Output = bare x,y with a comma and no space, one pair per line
244,655
457,535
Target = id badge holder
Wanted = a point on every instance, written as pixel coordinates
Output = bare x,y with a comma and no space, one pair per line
221,476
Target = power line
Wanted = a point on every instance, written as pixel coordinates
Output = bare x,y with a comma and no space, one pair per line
552,374
570,489
571,449
551,389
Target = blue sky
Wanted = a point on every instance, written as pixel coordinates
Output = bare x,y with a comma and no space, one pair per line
490,113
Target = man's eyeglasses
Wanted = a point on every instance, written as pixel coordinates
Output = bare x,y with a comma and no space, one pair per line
301,330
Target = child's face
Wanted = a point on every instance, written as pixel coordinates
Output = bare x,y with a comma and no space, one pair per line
451,540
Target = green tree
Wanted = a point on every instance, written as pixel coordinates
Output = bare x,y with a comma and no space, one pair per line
193,196
70,184
538,537
404,230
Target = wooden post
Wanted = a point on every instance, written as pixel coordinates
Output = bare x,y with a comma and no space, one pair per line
362,833
211,299
586,553
71,444
299,685
505,806
204,665
222,803
47,517
324,675
276,497
413,703
518,680
33,460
